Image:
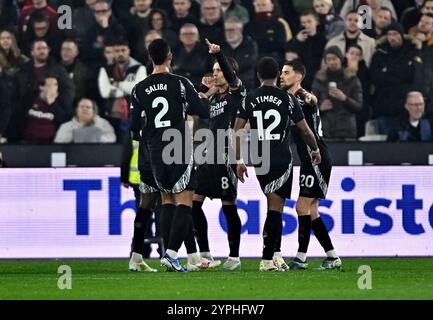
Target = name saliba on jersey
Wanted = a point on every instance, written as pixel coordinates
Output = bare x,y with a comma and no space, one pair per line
156,87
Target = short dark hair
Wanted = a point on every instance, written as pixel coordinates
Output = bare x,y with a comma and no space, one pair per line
39,16
268,68
159,51
352,12
308,13
43,80
383,8
119,41
233,63
32,45
297,66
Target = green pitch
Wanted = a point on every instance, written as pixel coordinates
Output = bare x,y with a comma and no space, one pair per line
109,279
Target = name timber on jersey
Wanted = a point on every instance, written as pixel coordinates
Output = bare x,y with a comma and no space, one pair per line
271,108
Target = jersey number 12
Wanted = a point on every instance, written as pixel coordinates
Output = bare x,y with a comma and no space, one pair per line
266,134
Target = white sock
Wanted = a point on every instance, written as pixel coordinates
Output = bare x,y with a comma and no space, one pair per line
278,254
171,253
206,254
234,259
301,256
332,254
193,258
268,262
136,257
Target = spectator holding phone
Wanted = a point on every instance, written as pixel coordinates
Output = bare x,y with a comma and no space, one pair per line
339,92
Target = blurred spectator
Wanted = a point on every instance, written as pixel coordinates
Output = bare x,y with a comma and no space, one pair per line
330,23
267,30
354,62
291,54
137,22
182,13
7,98
78,71
412,126
340,96
38,28
33,73
107,27
392,72
243,49
375,6
11,53
310,45
86,126
116,82
167,6
423,31
401,5
232,9
8,14
109,52
352,35
45,114
42,7
82,19
382,20
412,15
158,22
144,58
290,14
191,59
212,23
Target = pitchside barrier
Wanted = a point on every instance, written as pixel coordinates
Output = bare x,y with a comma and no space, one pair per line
86,213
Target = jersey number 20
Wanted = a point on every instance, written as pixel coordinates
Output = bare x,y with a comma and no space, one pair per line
266,134
155,104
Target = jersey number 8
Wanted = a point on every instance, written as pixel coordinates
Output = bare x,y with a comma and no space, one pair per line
155,104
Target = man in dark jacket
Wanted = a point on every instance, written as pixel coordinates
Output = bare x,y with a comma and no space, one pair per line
31,75
191,58
339,92
242,49
393,73
310,44
267,31
106,27
412,126
212,25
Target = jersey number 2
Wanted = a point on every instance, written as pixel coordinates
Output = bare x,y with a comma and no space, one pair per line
266,134
158,122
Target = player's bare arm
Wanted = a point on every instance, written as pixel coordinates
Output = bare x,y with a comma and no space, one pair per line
310,140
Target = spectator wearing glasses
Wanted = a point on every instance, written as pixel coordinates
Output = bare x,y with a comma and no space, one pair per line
191,59
42,7
106,27
412,126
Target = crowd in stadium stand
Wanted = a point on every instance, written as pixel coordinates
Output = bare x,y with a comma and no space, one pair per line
369,62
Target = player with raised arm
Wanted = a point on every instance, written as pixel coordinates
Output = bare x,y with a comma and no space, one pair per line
217,179
270,110
313,179
159,108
